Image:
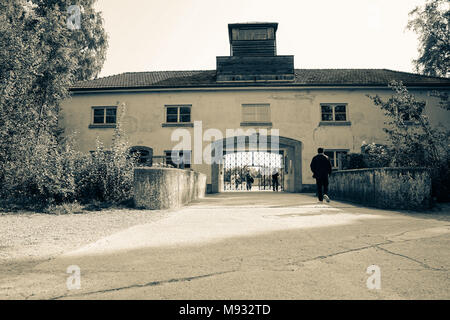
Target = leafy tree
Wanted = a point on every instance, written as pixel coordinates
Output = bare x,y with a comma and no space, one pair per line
413,141
85,46
431,23
376,155
40,58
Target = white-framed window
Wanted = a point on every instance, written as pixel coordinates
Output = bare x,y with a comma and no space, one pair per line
178,113
255,112
178,158
104,115
336,157
333,112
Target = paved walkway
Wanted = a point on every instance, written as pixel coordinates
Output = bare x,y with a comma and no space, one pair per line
256,246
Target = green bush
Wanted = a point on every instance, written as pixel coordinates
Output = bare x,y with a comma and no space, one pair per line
376,155
354,161
46,173
440,180
35,174
105,174
372,156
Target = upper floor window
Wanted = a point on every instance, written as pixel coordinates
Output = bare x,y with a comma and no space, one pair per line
178,113
104,115
254,113
334,112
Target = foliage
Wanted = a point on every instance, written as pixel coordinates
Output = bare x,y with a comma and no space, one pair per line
431,23
373,155
413,142
86,47
39,59
354,161
377,155
65,208
106,174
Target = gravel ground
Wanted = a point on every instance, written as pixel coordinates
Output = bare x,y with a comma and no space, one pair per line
28,237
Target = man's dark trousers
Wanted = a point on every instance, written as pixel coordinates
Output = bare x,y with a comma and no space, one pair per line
322,187
275,184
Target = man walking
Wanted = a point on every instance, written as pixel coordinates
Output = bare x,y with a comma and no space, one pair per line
275,182
321,168
249,179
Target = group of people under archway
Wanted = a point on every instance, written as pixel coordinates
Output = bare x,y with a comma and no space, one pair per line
249,180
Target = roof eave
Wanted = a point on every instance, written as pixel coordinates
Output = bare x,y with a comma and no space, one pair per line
259,85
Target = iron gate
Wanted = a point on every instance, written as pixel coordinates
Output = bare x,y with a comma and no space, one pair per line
252,171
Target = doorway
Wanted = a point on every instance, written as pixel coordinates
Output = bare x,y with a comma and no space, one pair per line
287,158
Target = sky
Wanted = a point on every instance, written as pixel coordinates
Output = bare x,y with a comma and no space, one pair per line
156,35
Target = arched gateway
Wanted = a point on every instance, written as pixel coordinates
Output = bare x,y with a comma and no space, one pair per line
289,150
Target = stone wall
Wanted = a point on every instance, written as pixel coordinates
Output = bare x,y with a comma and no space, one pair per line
389,188
166,188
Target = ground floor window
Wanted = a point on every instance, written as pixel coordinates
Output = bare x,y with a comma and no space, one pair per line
336,157
178,158
143,155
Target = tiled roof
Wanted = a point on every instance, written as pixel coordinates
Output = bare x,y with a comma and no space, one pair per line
303,77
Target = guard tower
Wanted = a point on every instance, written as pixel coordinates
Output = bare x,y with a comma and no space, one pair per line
253,55
253,39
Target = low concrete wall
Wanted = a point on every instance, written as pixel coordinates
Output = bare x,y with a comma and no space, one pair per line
389,188
166,188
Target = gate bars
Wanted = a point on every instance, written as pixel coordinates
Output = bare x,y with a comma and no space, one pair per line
260,166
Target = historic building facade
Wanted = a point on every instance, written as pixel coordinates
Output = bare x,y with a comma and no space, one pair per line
253,88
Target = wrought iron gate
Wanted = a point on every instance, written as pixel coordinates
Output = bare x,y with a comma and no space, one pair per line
253,171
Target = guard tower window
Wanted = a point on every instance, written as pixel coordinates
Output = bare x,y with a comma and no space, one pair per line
254,34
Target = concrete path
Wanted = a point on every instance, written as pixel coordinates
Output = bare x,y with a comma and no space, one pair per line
256,246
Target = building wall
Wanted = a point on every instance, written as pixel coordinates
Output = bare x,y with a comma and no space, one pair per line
295,112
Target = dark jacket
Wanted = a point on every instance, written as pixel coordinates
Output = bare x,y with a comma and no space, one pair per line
321,166
275,176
